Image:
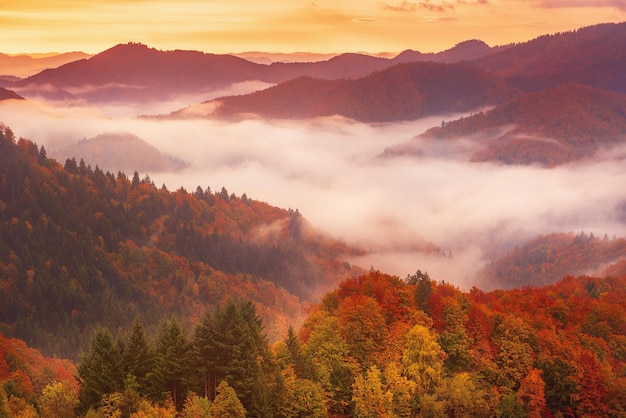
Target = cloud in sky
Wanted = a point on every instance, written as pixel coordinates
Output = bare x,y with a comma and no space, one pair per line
617,4
412,7
368,20
329,169
405,6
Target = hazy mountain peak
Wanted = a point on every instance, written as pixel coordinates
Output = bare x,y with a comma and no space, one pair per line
120,151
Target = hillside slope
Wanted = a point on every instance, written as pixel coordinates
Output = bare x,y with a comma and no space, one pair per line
25,373
403,92
593,55
9,94
568,123
548,258
82,247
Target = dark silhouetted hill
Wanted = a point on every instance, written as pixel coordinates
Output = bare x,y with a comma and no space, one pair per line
135,72
9,94
402,92
568,123
593,55
469,50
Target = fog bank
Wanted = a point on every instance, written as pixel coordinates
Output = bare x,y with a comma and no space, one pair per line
398,208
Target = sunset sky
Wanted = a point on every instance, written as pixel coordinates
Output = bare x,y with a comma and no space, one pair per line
223,26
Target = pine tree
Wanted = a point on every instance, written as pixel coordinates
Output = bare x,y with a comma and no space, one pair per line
139,359
230,345
100,370
173,364
295,350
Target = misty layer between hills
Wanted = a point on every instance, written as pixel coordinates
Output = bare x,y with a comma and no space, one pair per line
436,211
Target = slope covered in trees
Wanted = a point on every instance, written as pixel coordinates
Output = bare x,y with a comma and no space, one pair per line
403,92
82,247
592,55
546,259
568,123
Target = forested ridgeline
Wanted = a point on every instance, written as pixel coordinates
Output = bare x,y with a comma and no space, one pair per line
82,247
377,346
547,258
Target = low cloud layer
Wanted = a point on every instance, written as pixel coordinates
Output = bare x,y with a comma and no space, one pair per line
397,208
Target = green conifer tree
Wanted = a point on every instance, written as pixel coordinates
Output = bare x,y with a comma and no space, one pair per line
100,370
173,362
139,360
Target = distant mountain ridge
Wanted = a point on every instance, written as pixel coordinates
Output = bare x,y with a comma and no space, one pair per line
25,65
593,55
567,123
136,72
402,92
469,50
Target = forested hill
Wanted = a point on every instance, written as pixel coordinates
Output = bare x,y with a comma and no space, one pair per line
402,92
593,55
565,124
548,258
81,247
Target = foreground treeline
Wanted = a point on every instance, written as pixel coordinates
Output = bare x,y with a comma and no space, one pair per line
27,378
377,346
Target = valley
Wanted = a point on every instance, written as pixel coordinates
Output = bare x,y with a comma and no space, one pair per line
323,217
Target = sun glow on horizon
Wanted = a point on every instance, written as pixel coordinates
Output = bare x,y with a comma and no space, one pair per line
320,26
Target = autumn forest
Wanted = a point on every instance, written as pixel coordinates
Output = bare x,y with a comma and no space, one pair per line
125,294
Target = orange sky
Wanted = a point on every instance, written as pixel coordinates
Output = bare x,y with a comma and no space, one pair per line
223,26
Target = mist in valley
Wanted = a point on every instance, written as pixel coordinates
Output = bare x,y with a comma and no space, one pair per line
434,211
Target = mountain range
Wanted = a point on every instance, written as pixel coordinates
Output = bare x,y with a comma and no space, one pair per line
135,72
402,92
24,65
